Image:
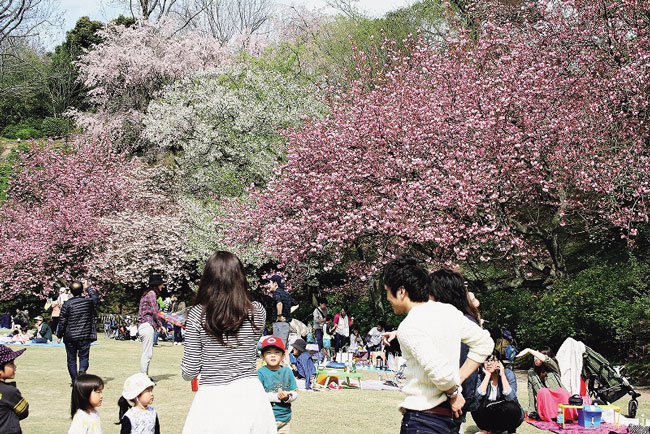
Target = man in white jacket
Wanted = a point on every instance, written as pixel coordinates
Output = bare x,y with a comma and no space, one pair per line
430,338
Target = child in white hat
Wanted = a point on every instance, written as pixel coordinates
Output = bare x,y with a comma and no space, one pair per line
141,417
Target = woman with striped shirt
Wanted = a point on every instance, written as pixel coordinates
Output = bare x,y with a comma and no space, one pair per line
222,330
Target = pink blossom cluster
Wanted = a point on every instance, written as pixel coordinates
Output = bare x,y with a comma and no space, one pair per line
88,211
50,223
498,147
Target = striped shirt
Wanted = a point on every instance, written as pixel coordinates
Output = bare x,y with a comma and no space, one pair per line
221,364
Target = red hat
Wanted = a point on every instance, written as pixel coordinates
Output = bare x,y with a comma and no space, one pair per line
273,341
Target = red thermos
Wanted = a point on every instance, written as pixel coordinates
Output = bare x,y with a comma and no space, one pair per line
195,384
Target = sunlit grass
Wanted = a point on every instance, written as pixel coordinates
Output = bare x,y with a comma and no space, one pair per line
43,379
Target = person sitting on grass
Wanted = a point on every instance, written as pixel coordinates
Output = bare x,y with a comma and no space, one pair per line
21,336
42,331
13,407
278,381
496,392
305,367
545,389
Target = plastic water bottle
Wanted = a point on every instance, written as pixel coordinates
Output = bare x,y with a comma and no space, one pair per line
560,419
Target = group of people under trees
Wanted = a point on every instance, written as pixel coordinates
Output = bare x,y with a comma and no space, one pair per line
452,367
438,394
339,329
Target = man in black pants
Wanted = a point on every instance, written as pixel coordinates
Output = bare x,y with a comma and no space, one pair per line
77,327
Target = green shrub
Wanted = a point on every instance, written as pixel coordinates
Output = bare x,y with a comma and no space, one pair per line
7,168
10,131
29,133
601,306
33,125
56,127
639,371
30,123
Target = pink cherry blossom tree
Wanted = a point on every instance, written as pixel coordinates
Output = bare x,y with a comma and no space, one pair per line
494,151
88,211
50,222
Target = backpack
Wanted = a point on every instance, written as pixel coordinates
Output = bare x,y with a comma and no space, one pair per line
511,352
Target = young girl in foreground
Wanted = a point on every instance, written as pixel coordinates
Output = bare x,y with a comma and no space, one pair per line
87,395
141,418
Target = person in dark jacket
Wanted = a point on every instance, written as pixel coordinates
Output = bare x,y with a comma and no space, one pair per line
449,287
42,331
77,327
21,318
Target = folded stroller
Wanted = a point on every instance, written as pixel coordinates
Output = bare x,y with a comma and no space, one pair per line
607,383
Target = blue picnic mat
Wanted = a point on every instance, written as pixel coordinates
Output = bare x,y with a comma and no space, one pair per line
49,344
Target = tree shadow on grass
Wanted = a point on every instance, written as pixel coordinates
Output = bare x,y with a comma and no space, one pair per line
159,378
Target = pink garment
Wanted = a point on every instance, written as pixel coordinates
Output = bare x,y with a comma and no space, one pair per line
574,428
547,404
337,317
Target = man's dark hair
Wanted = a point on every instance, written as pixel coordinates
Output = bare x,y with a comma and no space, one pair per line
76,288
321,300
405,272
381,324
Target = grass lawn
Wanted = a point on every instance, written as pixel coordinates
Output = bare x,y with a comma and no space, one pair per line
43,379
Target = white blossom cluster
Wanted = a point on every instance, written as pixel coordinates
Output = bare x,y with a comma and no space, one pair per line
224,127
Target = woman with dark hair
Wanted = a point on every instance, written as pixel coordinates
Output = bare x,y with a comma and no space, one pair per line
449,287
545,389
222,330
496,393
149,320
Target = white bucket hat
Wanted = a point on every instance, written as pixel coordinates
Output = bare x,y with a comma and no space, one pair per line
135,385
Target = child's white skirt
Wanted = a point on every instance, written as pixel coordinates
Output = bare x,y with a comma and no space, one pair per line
240,407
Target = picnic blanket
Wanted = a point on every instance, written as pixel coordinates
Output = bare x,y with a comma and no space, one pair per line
574,428
377,385
177,318
49,344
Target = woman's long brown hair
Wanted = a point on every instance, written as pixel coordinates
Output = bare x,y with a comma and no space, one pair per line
223,293
541,369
